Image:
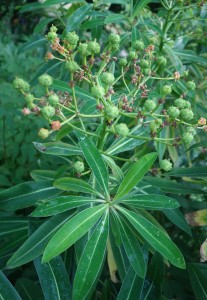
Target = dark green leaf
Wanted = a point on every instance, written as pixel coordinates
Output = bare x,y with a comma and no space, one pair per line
198,281
27,194
139,6
115,18
91,261
39,175
177,218
7,291
77,17
57,148
198,172
28,290
155,237
135,174
72,231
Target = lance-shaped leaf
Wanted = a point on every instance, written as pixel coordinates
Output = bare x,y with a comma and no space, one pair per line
91,260
132,248
155,237
135,174
58,149
96,162
36,243
61,204
27,194
176,217
7,291
72,231
53,279
151,201
198,281
75,185
28,289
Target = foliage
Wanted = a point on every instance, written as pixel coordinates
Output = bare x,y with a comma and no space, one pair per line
126,127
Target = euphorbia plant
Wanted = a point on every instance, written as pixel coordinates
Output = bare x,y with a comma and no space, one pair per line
118,118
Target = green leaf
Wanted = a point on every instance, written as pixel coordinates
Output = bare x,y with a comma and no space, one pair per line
53,279
28,290
169,186
132,248
35,43
91,260
7,291
155,237
132,286
57,148
96,162
116,170
198,281
75,185
27,194
77,17
139,6
115,18
39,175
189,57
198,172
152,201
94,22
36,243
177,218
72,231
135,174
61,204
36,6
42,25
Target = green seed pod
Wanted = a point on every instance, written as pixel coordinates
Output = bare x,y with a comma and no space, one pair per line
191,130
83,49
21,84
53,28
132,55
72,38
98,91
144,63
114,38
162,61
29,98
43,133
53,100
155,125
122,62
187,137
79,167
166,165
185,73
181,103
47,112
51,36
111,112
186,114
173,112
138,45
45,80
149,105
191,86
121,129
166,90
71,66
94,47
107,78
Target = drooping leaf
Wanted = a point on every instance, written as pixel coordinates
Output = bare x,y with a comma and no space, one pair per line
156,238
72,231
53,279
7,291
57,148
27,194
132,248
61,204
135,174
96,162
36,243
91,260
177,218
75,185
151,201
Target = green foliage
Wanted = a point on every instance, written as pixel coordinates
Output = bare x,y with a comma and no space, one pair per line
117,104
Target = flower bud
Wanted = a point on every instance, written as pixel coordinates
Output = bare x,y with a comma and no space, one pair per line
122,62
43,133
166,165
162,61
121,129
166,90
186,114
79,167
155,125
191,86
202,121
111,112
47,112
72,38
53,100
98,91
114,38
132,55
51,36
21,84
191,130
45,80
187,137
149,105
94,47
26,111
173,112
181,103
56,125
83,49
71,66
29,98
107,78
138,45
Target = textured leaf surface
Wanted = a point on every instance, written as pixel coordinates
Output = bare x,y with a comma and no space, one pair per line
72,231
91,260
7,291
155,237
27,194
135,174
